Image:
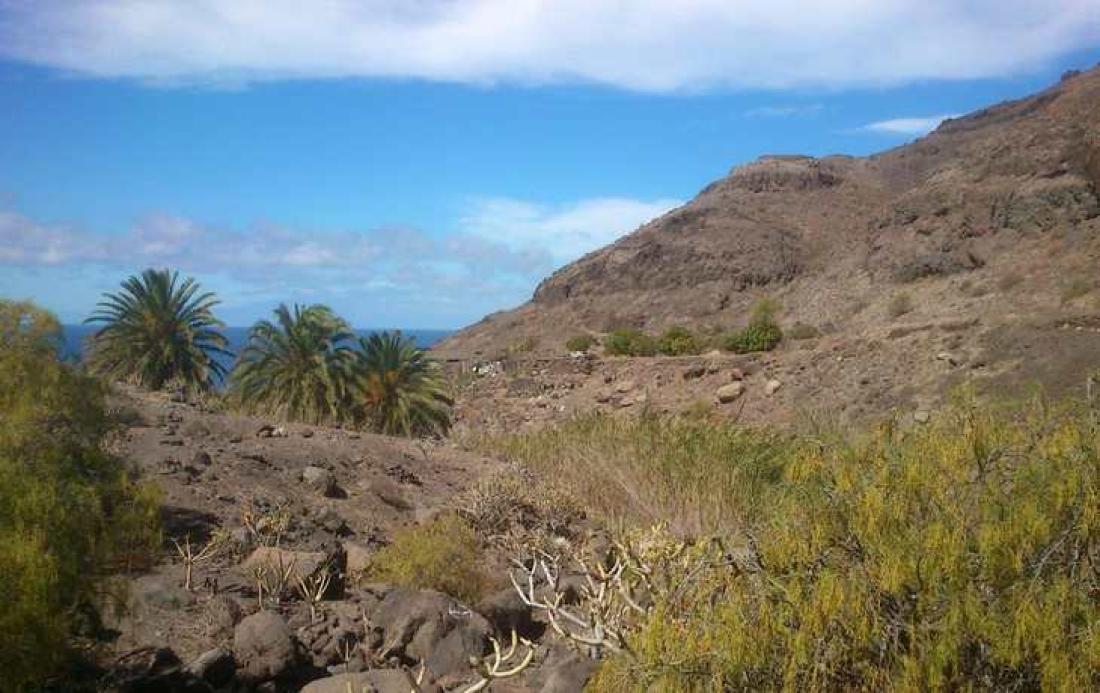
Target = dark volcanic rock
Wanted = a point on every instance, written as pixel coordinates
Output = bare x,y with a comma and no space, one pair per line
265,647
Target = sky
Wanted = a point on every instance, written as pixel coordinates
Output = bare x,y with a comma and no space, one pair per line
421,163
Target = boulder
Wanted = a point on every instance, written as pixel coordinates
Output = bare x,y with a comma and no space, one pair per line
216,667
693,372
432,628
569,672
772,386
357,557
201,459
374,681
507,612
331,521
154,593
950,358
320,480
270,431
152,670
337,638
736,374
265,647
222,614
387,491
306,563
730,392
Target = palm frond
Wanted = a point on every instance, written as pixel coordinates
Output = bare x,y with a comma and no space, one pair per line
297,367
155,331
399,390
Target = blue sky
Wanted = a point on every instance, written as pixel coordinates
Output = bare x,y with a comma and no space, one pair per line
420,164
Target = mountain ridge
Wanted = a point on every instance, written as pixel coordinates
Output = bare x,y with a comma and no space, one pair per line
770,220
968,255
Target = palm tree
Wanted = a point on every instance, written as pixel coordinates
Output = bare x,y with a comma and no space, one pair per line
399,391
296,367
158,330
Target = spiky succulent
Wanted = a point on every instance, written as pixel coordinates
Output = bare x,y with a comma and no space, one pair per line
158,330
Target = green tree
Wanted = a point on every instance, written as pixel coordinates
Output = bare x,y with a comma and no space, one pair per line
70,515
400,391
158,330
296,367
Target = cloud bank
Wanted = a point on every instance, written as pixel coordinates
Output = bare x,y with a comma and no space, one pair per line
908,126
501,249
646,45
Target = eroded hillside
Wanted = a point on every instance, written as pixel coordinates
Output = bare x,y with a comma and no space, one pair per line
987,230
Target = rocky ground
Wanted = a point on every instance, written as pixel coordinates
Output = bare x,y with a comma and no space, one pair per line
311,502
906,368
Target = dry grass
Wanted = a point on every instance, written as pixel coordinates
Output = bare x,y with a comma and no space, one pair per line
697,476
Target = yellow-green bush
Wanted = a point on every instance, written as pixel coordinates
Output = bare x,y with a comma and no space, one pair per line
442,555
761,334
580,342
629,343
69,514
958,556
679,341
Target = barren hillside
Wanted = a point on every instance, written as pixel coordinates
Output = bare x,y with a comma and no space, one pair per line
987,228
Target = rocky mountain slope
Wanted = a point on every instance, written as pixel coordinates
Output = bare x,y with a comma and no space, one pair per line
272,512
970,253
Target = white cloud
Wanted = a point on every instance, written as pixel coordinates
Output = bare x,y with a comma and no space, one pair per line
783,111
563,232
502,248
908,126
652,45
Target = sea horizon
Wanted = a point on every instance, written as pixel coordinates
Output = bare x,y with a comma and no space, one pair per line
74,335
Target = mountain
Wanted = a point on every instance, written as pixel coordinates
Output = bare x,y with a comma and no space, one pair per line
988,228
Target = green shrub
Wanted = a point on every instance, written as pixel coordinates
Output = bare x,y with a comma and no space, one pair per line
762,333
629,343
679,341
580,342
956,556
900,304
443,555
70,515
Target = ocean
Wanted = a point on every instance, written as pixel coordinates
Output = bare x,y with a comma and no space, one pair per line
73,337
